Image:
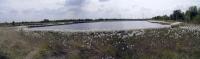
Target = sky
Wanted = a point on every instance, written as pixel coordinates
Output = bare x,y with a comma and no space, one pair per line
36,10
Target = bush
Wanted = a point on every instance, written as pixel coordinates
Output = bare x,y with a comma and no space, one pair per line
197,19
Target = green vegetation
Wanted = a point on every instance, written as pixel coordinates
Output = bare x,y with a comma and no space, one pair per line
168,43
173,43
191,15
45,21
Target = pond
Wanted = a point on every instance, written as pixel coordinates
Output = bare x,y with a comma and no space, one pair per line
103,26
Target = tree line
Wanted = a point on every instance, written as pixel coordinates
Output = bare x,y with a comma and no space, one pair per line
190,15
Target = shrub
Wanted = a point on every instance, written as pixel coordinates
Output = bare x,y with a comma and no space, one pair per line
197,19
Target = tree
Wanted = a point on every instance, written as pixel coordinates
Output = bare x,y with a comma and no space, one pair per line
165,17
198,11
188,16
191,15
13,23
177,15
192,12
196,19
45,20
157,17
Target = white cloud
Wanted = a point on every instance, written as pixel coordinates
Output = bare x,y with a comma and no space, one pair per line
33,4
26,10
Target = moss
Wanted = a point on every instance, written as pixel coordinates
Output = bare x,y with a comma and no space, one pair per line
3,56
110,51
74,54
147,57
167,54
42,51
196,54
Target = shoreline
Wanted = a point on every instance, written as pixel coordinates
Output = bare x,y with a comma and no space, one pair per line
172,25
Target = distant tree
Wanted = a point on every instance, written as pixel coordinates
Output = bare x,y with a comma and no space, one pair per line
13,23
45,20
192,12
198,11
188,16
165,17
191,15
177,15
196,19
157,17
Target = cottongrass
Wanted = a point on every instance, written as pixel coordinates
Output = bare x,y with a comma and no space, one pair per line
168,43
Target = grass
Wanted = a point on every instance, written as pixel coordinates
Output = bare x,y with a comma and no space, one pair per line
173,43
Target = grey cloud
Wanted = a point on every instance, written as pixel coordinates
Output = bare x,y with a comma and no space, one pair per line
75,2
86,9
76,7
103,0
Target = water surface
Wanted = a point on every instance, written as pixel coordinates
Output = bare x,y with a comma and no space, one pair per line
104,26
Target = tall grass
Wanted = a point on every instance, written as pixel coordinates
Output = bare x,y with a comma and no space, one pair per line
136,44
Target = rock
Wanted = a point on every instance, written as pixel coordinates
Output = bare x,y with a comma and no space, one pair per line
176,24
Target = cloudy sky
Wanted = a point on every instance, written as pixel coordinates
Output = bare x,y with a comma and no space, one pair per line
34,10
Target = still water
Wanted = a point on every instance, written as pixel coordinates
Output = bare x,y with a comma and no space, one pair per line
103,26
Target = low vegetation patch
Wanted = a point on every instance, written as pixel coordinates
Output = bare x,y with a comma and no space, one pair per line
174,43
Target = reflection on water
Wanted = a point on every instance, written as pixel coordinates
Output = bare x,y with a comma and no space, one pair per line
104,26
